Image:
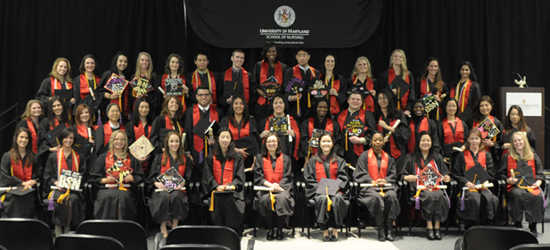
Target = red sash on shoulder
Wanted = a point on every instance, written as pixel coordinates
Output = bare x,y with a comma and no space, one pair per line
270,174
23,173
108,131
461,98
374,173
401,104
34,135
181,168
512,164
357,148
394,150
82,131
84,86
62,162
369,100
320,170
334,105
424,126
198,142
469,160
140,130
264,72
227,171
449,136
56,84
238,134
196,82
246,83
297,72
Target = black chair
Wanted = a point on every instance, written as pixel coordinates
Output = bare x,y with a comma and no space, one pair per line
87,242
493,238
204,235
129,233
3,248
15,234
531,247
194,247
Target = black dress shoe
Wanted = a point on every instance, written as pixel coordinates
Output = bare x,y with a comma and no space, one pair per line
381,235
517,224
270,234
334,237
533,228
326,238
279,234
431,234
389,237
437,234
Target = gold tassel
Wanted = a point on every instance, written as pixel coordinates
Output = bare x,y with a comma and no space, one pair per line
297,104
308,100
382,192
121,183
272,200
346,141
329,201
211,209
205,147
63,196
398,99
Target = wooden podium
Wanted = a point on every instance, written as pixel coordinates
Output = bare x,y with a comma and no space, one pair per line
531,101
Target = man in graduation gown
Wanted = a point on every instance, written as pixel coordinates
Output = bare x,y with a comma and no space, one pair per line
202,75
201,115
236,81
304,74
357,126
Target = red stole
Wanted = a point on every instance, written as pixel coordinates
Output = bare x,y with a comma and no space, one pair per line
110,161
198,142
181,168
424,126
369,100
334,105
297,72
449,136
320,170
246,83
512,164
24,173
238,134
196,82
84,86
357,148
461,98
394,150
264,72
328,127
296,130
140,130
34,135
401,104
374,173
56,84
425,88
181,98
227,171
270,174
469,159
108,131
62,161
170,125
82,130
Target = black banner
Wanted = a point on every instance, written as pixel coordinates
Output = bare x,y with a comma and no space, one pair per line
314,24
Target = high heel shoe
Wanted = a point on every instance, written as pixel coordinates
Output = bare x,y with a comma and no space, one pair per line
269,236
431,235
326,238
279,234
437,234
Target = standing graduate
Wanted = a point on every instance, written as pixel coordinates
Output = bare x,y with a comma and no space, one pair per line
175,69
420,123
170,118
236,81
269,74
84,132
140,125
168,206
60,79
50,127
203,76
333,82
362,77
222,183
320,120
119,65
377,167
144,72
482,111
330,210
34,112
432,84
67,205
466,91
103,133
85,82
19,169
400,80
452,130
515,121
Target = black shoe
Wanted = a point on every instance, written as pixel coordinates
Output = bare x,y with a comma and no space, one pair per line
381,235
389,237
437,234
517,224
334,238
533,227
431,234
326,238
279,235
270,234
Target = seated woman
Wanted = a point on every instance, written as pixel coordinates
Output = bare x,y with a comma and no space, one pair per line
327,165
524,193
19,169
114,201
170,118
31,120
67,205
434,204
273,169
169,206
515,121
222,183
474,200
378,168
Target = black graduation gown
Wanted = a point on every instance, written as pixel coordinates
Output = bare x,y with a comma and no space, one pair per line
519,200
126,95
340,202
475,93
45,92
203,80
441,133
434,204
154,98
400,136
284,202
287,147
166,206
77,91
305,134
432,129
99,148
156,138
349,155
293,106
380,207
131,133
507,137
230,88
228,205
23,124
18,206
253,127
262,111
44,128
59,215
473,204
108,200
496,150
382,83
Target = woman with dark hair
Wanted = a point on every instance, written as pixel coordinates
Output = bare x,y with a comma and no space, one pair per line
361,77
57,116
19,168
475,199
335,83
273,169
114,200
419,123
222,183
330,210
86,81
465,91
377,167
482,115
170,118
103,133
269,73
144,73
60,79
83,127
393,125
451,129
522,170
118,66
319,121
175,69
169,206
139,126
431,84
434,204
34,112
515,121
67,205
400,81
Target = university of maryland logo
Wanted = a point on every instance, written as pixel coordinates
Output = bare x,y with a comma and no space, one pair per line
284,16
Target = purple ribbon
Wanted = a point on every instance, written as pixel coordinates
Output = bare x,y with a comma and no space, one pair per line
99,122
543,198
50,202
417,203
462,205
201,156
1,206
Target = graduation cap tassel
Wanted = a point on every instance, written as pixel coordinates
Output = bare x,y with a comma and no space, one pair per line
272,197
121,185
308,100
211,209
329,201
50,200
64,197
417,199
2,200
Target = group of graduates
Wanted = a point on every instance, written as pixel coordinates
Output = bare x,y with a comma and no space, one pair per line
282,125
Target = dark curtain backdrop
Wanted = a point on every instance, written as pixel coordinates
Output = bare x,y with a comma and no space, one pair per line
498,37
